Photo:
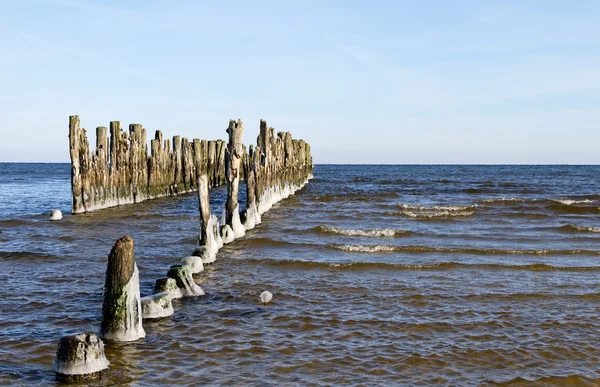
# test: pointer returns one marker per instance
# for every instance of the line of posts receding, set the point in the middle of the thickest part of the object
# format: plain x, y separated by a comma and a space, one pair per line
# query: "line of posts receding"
120, 171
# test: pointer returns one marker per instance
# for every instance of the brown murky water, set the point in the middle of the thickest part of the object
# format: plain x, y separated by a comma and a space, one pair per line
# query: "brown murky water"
396, 275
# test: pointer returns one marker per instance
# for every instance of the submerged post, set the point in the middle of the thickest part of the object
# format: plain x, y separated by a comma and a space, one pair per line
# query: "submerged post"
121, 310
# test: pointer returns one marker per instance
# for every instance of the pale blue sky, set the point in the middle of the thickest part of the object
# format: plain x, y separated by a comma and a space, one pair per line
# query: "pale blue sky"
362, 81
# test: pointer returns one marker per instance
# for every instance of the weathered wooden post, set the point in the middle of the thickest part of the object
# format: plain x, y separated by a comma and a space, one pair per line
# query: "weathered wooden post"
206, 240
76, 148
233, 158
121, 310
251, 216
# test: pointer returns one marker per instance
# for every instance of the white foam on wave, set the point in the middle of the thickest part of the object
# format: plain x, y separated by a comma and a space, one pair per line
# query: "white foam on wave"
438, 208
570, 202
506, 200
443, 214
387, 232
585, 228
364, 248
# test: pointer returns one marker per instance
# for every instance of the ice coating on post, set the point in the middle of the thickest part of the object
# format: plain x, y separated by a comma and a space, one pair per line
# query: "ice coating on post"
121, 309
182, 274
157, 306
250, 216
79, 358
233, 161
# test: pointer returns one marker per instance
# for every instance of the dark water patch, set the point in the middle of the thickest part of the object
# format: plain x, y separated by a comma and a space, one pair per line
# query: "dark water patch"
563, 207
558, 380
20, 255
454, 250
357, 197
267, 242
7, 223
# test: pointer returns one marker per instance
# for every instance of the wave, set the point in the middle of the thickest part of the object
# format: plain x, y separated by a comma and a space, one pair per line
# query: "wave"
449, 265
437, 215
358, 197
506, 201
17, 255
570, 202
438, 208
375, 233
573, 228
267, 242
572, 206
453, 250
13, 222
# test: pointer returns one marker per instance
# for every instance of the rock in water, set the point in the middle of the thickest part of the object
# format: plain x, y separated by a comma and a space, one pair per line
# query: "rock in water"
80, 358
55, 215
266, 296
157, 306
121, 309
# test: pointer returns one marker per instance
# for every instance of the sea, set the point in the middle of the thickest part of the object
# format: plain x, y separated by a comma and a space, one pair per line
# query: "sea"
382, 275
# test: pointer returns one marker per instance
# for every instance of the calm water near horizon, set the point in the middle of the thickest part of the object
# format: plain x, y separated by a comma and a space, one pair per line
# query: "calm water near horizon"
381, 274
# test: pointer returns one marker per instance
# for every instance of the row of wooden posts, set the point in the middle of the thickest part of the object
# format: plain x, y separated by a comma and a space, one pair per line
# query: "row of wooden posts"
123, 173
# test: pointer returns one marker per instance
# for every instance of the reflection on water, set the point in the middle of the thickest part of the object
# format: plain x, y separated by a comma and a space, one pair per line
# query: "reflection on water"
364, 294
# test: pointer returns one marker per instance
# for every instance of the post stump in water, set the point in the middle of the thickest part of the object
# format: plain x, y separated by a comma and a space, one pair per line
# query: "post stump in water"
182, 274
121, 310
79, 358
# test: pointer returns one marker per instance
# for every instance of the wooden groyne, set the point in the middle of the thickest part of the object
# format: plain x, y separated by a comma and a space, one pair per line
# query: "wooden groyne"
120, 171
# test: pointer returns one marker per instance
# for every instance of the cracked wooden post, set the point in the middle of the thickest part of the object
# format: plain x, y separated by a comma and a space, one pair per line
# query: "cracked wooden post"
251, 217
201, 155
121, 309
76, 150
233, 158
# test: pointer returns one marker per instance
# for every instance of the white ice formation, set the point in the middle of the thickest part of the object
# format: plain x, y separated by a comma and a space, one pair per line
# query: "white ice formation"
157, 306
55, 215
266, 296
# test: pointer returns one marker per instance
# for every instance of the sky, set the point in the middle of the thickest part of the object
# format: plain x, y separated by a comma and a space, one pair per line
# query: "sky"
361, 81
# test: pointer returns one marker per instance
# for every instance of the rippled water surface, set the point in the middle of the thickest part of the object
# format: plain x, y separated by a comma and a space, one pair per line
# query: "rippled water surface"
381, 275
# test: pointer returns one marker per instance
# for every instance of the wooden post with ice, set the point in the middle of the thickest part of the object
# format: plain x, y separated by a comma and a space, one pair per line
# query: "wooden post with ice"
204, 160
233, 161
79, 358
121, 309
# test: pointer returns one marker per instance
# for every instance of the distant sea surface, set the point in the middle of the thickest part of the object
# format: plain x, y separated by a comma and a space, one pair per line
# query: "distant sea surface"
382, 275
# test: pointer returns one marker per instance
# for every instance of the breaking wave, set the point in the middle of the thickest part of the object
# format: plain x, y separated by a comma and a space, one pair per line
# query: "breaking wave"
437, 215
571, 228
453, 250
375, 233
438, 208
